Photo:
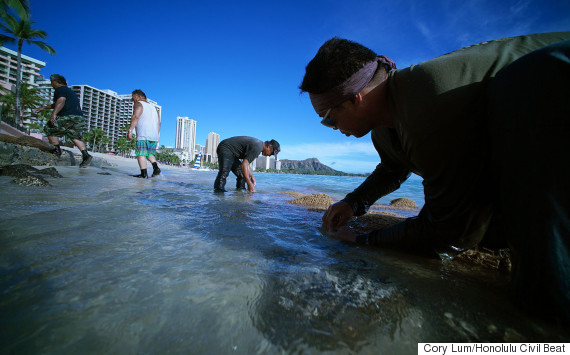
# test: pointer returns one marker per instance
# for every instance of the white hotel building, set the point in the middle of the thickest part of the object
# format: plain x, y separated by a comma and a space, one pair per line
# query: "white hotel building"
186, 135
8, 67
211, 156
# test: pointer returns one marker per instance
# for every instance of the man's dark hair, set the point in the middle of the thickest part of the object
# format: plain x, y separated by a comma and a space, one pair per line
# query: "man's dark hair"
139, 92
58, 79
336, 61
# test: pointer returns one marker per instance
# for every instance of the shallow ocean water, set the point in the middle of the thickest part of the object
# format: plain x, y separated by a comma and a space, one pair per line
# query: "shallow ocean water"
112, 264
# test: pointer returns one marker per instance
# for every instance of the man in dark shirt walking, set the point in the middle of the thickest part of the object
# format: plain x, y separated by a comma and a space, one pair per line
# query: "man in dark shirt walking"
66, 119
235, 154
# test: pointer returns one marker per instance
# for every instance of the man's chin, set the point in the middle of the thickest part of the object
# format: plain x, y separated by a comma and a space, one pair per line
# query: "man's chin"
358, 135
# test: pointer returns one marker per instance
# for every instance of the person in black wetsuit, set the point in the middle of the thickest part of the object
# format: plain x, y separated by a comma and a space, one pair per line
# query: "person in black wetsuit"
235, 154
487, 129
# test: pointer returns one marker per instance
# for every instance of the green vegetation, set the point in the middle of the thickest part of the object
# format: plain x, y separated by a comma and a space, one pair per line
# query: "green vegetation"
29, 99
167, 155
205, 164
18, 29
95, 138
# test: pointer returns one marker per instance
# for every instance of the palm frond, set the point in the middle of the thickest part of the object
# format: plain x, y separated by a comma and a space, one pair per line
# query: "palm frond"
10, 20
22, 7
6, 39
44, 46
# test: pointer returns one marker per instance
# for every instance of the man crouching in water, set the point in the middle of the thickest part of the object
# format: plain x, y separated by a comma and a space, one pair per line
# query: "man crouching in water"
235, 154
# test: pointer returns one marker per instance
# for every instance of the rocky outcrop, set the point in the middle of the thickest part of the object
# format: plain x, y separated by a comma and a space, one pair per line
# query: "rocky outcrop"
315, 201
27, 141
403, 203
307, 165
17, 153
28, 175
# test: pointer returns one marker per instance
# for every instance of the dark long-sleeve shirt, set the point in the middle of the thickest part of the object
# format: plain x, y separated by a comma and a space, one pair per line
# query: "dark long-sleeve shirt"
441, 134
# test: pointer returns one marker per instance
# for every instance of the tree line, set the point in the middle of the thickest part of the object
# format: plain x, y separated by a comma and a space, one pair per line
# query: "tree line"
17, 28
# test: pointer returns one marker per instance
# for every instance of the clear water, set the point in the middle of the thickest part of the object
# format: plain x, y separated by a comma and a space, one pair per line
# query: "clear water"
113, 264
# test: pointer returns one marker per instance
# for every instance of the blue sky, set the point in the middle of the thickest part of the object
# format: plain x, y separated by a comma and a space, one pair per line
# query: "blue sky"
235, 66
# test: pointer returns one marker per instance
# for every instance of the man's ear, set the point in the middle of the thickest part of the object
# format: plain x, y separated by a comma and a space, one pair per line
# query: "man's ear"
356, 100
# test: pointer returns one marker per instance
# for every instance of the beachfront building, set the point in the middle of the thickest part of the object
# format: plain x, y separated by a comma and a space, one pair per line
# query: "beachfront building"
183, 154
8, 67
185, 134
263, 162
198, 148
46, 90
211, 146
29, 74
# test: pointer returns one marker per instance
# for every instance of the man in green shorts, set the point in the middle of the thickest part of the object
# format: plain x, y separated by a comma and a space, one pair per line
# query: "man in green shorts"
66, 119
146, 120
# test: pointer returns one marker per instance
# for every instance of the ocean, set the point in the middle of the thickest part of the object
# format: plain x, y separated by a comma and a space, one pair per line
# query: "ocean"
101, 262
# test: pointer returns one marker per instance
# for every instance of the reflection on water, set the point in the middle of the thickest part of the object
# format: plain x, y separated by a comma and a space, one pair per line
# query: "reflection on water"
101, 263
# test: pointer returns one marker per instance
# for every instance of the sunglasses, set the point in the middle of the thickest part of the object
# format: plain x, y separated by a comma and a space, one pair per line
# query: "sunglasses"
327, 121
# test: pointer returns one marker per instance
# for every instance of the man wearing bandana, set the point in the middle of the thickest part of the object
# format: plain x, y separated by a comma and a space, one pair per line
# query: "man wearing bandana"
487, 128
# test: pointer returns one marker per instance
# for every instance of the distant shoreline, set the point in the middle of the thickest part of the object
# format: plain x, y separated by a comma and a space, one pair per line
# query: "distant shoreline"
302, 172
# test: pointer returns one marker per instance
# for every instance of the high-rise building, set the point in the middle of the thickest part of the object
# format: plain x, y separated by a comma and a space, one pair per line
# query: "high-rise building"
46, 90
211, 145
185, 134
263, 162
8, 67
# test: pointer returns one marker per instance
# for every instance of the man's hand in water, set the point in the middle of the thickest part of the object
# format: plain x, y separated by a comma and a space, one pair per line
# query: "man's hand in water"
343, 234
337, 215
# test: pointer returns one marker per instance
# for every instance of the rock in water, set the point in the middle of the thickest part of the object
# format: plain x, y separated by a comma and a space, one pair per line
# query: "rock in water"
31, 180
51, 172
28, 175
314, 201
17, 170
403, 203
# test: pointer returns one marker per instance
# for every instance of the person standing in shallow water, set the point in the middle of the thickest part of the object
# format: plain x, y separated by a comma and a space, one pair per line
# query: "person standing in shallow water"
235, 154
146, 120
486, 127
66, 119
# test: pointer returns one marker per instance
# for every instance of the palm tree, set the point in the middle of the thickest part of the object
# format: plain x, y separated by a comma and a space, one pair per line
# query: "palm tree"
104, 142
22, 7
122, 145
29, 99
97, 135
20, 31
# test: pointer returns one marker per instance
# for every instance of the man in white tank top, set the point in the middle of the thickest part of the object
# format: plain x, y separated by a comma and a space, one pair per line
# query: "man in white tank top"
146, 121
